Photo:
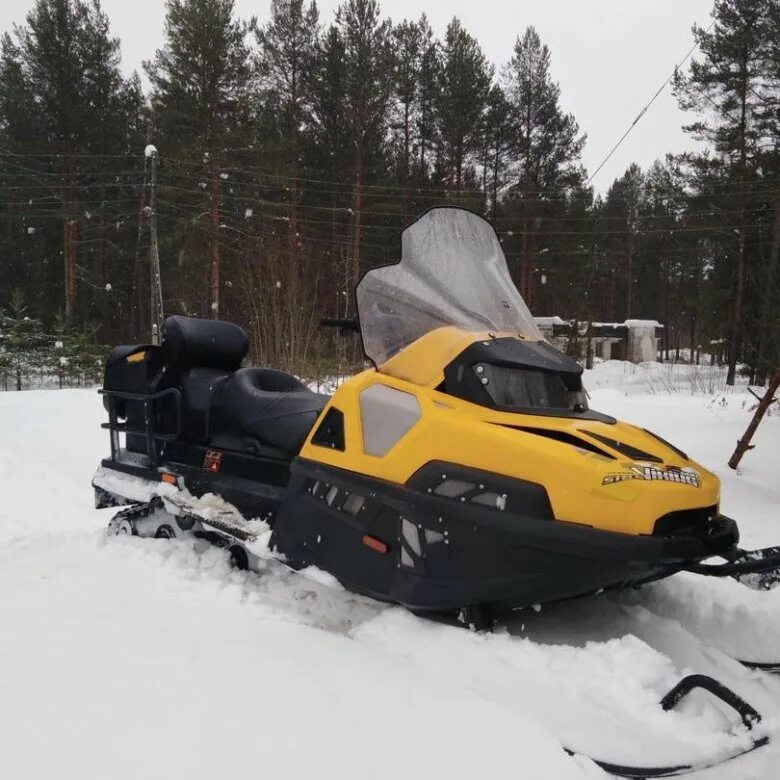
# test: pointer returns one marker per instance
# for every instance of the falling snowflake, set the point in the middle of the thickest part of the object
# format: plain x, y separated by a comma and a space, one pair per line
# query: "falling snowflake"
30, 231
248, 213
109, 288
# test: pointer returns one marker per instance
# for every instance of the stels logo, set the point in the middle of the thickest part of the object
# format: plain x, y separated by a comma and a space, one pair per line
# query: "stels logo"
653, 474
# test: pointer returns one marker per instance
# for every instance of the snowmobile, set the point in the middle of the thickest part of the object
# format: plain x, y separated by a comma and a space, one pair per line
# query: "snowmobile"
462, 474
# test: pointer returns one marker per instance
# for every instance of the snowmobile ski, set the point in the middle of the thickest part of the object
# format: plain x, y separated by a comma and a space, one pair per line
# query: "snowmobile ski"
757, 569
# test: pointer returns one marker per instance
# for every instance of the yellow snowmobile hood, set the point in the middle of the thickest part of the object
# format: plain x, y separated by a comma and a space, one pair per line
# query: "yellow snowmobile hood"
597, 472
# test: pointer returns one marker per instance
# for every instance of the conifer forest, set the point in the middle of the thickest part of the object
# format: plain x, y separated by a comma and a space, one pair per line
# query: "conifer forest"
281, 159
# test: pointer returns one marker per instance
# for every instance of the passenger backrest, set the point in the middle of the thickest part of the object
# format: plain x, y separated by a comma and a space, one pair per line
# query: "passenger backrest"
190, 342
200, 354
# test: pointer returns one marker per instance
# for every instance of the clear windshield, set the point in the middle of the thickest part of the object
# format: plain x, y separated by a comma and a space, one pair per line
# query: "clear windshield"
452, 272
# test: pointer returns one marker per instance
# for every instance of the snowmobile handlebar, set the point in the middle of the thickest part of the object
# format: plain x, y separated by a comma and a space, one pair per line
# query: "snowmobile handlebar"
345, 325
749, 716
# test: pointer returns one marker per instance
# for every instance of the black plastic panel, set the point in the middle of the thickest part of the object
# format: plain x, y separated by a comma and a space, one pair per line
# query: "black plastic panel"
330, 432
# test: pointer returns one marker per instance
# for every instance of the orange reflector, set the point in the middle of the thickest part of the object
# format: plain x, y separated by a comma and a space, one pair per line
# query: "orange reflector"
136, 357
169, 478
375, 544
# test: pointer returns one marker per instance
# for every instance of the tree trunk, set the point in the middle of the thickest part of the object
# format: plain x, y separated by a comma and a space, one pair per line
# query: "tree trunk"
214, 218
69, 242
743, 445
524, 255
769, 348
357, 213
630, 275
736, 319
494, 193
666, 309
407, 166
612, 284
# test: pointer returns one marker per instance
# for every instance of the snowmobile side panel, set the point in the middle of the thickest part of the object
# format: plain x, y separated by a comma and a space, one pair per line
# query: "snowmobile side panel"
442, 554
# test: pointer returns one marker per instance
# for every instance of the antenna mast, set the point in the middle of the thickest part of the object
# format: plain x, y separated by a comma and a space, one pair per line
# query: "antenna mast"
155, 282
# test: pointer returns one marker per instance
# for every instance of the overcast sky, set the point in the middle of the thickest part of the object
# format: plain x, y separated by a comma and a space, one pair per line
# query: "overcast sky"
609, 56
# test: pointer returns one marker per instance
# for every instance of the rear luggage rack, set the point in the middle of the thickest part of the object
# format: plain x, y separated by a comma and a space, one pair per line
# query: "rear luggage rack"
149, 431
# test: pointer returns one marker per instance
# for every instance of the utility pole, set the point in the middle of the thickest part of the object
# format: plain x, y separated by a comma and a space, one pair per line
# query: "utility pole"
155, 282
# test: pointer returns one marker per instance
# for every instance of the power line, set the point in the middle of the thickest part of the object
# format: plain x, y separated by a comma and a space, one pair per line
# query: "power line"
416, 192
647, 107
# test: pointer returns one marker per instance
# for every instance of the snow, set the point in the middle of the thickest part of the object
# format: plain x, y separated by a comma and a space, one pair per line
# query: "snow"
643, 324
127, 658
150, 151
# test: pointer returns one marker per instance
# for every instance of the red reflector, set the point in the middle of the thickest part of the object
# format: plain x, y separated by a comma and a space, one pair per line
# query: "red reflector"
375, 544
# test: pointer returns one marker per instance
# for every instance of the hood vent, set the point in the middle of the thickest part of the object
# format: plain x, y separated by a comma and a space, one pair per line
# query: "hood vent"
674, 449
634, 453
564, 438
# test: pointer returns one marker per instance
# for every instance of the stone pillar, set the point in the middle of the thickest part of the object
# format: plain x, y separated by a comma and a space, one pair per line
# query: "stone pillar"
642, 346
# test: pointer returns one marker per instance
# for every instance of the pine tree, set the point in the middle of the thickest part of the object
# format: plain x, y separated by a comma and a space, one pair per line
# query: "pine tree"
285, 63
22, 342
408, 46
768, 92
368, 64
547, 143
723, 86
465, 77
621, 216
497, 144
428, 95
200, 81
60, 91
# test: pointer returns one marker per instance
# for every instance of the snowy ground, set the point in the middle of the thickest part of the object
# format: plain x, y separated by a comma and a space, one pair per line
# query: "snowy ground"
129, 658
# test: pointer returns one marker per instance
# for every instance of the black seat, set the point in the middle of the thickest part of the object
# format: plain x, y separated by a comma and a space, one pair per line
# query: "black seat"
257, 408
197, 388
200, 354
